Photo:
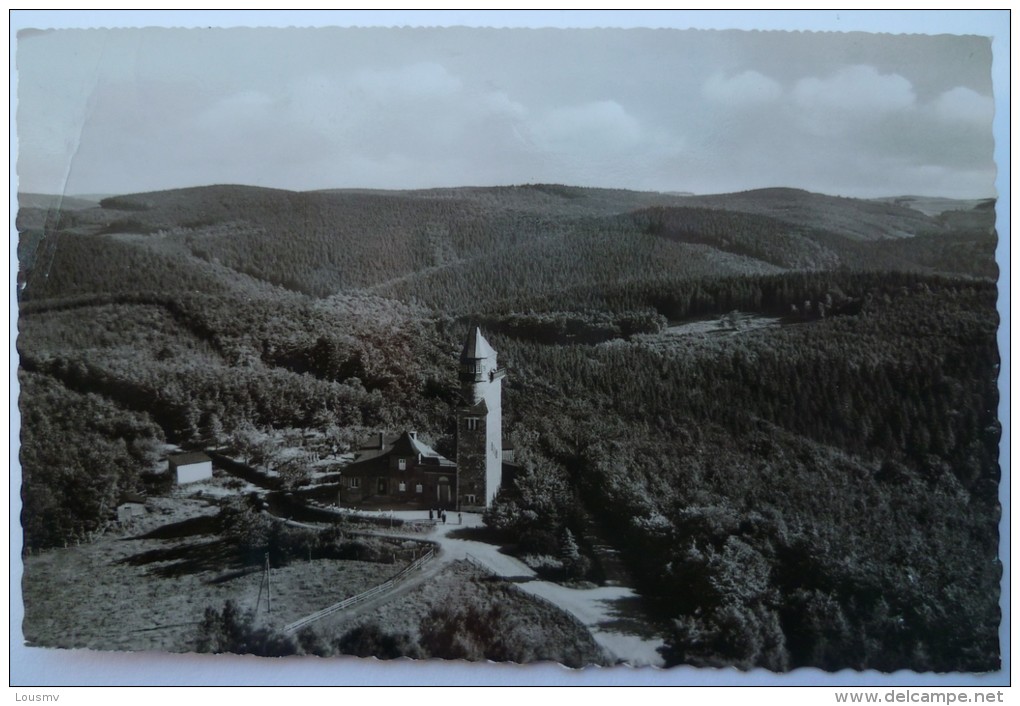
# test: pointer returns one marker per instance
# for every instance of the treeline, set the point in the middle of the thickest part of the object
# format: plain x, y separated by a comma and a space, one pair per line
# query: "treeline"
572, 327
781, 294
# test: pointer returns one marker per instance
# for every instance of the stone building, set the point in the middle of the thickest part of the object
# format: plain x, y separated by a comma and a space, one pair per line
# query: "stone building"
402, 470
399, 470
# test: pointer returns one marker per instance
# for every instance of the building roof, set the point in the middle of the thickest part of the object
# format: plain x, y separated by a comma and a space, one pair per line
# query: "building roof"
476, 347
186, 459
405, 445
479, 408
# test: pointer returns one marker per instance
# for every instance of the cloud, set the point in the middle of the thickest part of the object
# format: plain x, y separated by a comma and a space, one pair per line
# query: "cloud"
599, 126
413, 81
119, 111
857, 89
243, 106
743, 89
963, 105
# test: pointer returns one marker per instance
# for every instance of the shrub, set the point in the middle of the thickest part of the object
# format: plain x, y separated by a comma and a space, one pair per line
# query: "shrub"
232, 630
371, 641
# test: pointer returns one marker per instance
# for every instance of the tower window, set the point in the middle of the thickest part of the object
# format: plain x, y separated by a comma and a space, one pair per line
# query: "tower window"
472, 423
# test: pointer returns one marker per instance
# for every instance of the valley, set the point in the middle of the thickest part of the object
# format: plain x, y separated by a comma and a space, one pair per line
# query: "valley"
780, 407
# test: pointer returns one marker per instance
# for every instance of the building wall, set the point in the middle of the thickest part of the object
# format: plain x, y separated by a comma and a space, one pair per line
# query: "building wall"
480, 450
494, 440
194, 472
471, 459
434, 493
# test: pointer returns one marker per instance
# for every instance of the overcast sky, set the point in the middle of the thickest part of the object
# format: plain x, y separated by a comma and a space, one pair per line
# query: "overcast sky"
118, 111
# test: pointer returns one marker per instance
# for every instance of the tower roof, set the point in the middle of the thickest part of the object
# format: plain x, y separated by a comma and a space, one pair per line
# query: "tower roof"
476, 347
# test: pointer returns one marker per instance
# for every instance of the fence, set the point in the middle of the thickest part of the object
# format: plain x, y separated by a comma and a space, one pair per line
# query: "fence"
365, 595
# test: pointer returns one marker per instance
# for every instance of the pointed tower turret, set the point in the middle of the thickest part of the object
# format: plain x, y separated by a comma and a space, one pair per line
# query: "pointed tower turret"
479, 424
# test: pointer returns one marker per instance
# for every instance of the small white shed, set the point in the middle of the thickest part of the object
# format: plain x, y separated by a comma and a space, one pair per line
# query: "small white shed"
191, 467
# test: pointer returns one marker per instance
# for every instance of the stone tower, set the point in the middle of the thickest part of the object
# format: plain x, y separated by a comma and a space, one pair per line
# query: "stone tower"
479, 424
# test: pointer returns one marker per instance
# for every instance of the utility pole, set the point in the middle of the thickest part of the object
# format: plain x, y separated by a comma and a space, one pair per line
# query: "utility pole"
265, 582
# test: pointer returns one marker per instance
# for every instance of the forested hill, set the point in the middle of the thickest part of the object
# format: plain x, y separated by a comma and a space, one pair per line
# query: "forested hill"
854, 218
442, 246
55, 202
780, 405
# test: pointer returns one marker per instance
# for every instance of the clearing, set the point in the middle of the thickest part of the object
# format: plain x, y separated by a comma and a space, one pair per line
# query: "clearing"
138, 592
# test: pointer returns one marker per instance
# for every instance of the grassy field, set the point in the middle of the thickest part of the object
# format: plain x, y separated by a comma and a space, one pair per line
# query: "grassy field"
148, 589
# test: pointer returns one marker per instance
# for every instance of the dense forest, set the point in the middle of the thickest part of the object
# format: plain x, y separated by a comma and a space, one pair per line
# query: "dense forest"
782, 405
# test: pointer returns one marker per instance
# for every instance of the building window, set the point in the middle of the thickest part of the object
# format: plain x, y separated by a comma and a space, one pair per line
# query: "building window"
402, 464
469, 499
472, 423
382, 487
402, 486
418, 488
354, 483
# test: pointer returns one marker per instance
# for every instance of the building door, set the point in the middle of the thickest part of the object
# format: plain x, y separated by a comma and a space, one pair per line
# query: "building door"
444, 494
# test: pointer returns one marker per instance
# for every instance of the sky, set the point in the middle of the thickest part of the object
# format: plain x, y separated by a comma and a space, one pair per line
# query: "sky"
110, 111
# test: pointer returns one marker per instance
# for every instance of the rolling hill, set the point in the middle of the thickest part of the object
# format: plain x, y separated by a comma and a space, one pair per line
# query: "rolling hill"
443, 247
851, 218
